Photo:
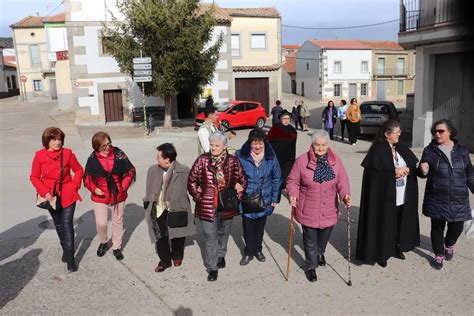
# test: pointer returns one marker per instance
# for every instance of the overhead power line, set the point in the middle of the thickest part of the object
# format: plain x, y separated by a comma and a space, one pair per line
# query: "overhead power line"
337, 28
51, 11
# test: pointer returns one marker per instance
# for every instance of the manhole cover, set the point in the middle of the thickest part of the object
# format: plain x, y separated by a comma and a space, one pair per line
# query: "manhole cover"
49, 224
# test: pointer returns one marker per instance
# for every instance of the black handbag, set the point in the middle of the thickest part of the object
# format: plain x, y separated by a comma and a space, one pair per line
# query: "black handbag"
253, 203
42, 203
227, 200
177, 219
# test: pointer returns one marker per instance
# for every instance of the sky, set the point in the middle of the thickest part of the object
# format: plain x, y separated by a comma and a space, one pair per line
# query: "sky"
307, 13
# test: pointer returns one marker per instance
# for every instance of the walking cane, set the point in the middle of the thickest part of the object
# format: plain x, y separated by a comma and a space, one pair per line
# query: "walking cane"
290, 242
349, 282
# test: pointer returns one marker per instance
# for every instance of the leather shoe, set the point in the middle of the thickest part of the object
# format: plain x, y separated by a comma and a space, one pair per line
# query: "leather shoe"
400, 255
383, 264
260, 257
177, 262
212, 276
102, 249
245, 260
221, 263
162, 267
321, 260
311, 275
118, 254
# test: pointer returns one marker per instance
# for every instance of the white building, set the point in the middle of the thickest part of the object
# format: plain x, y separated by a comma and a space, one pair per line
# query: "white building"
333, 69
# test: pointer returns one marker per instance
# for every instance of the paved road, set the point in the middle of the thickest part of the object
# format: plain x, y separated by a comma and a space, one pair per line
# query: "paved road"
34, 281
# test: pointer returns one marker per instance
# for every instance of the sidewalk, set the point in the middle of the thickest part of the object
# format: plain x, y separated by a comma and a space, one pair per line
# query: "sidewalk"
35, 281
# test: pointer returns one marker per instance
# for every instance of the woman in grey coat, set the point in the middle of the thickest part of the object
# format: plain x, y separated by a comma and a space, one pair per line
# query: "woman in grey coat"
166, 192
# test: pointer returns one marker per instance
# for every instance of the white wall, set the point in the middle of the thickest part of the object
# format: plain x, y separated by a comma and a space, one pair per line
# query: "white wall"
57, 39
96, 10
307, 70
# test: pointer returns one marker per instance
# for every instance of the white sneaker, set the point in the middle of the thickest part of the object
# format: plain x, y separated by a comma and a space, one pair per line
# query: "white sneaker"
353, 144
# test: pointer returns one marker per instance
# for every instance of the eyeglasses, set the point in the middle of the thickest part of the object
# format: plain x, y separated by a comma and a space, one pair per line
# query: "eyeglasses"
397, 132
439, 131
104, 146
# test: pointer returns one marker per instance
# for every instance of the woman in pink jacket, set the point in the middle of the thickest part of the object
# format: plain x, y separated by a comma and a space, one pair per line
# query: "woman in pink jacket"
316, 182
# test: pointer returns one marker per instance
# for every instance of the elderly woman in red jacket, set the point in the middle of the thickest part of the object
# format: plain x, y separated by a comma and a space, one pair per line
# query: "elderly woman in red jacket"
108, 175
52, 179
212, 173
315, 184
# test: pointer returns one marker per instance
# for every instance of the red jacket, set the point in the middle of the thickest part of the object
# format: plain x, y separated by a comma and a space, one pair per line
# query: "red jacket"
45, 172
122, 182
202, 186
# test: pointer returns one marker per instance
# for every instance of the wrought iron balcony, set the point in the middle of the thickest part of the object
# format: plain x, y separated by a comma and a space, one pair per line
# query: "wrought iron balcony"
422, 14
390, 72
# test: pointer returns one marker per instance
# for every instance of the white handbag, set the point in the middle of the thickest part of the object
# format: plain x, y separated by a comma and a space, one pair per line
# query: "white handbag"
469, 227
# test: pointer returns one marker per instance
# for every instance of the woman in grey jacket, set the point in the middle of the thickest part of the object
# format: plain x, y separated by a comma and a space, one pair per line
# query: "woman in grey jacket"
166, 193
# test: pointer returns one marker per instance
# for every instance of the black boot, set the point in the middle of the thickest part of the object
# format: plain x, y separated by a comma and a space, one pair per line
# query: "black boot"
69, 257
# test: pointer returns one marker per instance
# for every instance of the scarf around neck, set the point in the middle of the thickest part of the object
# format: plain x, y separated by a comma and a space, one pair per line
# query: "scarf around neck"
323, 171
257, 159
217, 163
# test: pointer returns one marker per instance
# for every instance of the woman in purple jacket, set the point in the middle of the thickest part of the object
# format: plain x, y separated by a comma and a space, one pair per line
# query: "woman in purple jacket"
316, 182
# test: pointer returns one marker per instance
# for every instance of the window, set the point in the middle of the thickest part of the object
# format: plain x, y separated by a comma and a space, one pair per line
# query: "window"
105, 49
239, 107
363, 89
400, 66
337, 67
38, 85
251, 106
364, 66
258, 41
307, 66
381, 66
35, 55
337, 90
235, 45
9, 83
399, 87
14, 82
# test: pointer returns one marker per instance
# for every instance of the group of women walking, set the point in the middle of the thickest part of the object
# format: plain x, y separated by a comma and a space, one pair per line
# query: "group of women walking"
250, 184
349, 116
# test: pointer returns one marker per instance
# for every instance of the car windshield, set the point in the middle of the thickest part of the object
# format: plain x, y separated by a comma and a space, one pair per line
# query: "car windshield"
223, 107
375, 109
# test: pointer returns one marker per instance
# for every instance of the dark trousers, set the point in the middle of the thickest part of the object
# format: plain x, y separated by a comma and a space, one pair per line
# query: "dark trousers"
331, 132
354, 131
315, 241
438, 240
344, 126
63, 221
165, 250
253, 234
298, 122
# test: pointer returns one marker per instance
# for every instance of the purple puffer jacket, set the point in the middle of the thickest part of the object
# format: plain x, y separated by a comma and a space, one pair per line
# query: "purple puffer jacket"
317, 202
202, 185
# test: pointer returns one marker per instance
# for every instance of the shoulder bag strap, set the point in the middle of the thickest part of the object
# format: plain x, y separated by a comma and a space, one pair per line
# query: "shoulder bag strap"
61, 171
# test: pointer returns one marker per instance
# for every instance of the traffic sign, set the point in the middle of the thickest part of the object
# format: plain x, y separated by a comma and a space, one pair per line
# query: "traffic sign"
142, 79
142, 60
138, 73
23, 78
141, 66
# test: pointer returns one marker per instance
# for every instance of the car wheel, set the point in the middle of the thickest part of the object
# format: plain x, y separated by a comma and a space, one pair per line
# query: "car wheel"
260, 123
224, 126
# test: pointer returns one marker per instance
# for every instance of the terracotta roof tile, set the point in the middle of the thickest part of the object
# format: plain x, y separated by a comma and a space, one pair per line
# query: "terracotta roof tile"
290, 46
269, 12
256, 68
356, 44
220, 14
37, 21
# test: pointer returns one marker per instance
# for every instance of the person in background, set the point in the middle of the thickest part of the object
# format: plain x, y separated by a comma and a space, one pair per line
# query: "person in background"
282, 136
316, 182
447, 166
166, 192
341, 112
329, 116
305, 115
353, 119
388, 216
276, 110
295, 115
213, 172
108, 176
206, 129
209, 102
51, 180
263, 173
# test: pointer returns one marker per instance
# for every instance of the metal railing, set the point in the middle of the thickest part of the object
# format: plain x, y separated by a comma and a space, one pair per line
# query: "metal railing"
418, 14
390, 72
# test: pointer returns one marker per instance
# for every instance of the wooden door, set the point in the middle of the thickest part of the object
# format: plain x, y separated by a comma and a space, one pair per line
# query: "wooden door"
113, 105
253, 89
52, 89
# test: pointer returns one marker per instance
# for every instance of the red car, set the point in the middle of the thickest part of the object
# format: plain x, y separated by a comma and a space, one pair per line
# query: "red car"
237, 114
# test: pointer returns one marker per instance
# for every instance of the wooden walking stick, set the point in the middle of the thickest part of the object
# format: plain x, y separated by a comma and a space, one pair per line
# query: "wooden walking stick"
349, 282
290, 242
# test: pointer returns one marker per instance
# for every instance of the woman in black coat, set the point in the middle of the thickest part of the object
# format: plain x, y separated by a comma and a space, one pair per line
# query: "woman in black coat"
446, 164
388, 217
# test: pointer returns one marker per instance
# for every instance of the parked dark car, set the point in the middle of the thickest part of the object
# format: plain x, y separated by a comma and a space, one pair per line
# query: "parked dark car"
374, 113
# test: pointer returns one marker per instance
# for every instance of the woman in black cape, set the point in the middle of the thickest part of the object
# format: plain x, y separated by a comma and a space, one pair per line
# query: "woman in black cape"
388, 217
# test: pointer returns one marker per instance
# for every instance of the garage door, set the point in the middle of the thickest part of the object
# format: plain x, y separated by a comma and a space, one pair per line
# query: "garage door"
253, 89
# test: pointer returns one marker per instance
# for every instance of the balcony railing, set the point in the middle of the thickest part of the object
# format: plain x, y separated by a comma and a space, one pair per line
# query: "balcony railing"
419, 14
390, 72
